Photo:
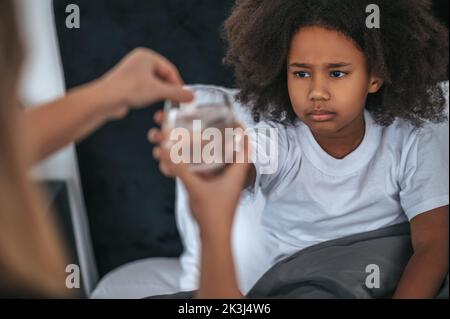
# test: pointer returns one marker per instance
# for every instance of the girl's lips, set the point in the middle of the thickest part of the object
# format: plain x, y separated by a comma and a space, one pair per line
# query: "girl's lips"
322, 116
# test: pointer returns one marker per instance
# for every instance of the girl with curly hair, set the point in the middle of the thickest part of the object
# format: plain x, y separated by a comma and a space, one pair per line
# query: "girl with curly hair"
352, 107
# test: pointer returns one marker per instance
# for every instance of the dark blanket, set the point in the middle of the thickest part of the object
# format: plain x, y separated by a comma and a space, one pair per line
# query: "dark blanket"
339, 268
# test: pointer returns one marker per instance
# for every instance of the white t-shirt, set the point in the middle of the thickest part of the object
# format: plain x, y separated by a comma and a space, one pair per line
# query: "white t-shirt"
396, 173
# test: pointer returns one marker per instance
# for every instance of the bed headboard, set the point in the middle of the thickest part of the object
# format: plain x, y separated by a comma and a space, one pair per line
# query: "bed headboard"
130, 204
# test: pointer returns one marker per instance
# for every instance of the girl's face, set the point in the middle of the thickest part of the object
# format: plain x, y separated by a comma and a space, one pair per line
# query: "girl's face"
328, 80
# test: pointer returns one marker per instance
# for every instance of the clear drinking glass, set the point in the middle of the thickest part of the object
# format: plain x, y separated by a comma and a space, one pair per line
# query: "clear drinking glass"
211, 108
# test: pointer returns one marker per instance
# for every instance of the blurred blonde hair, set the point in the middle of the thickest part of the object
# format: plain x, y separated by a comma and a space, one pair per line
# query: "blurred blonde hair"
32, 259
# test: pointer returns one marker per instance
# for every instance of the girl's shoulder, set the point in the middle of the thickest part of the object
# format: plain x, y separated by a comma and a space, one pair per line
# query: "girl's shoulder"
404, 135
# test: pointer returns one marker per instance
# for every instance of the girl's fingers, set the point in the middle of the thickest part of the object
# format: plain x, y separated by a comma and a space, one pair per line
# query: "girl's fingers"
158, 117
193, 183
164, 169
156, 153
238, 170
154, 136
190, 179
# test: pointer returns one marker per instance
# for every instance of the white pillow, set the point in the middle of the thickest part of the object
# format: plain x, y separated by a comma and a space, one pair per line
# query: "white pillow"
251, 260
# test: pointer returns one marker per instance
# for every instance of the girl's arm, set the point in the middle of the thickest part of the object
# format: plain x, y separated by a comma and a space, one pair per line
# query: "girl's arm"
213, 201
427, 268
141, 78
218, 275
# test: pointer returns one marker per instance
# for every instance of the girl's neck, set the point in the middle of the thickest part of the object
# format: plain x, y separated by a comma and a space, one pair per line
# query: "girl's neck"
346, 141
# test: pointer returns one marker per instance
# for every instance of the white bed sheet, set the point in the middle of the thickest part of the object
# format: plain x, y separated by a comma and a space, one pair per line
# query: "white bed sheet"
139, 279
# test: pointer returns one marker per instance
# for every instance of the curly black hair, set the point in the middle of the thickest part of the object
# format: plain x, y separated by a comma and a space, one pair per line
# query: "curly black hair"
409, 52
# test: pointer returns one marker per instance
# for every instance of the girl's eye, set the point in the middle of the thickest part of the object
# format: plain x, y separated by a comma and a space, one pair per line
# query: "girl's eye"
337, 74
302, 74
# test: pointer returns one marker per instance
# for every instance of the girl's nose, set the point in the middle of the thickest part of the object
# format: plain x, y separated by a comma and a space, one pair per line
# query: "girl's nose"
318, 90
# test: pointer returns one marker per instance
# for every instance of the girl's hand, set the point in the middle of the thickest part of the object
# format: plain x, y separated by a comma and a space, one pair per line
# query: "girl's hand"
213, 198
141, 78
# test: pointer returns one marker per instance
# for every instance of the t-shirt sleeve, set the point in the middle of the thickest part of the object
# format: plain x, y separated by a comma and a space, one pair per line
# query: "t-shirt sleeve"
423, 174
274, 156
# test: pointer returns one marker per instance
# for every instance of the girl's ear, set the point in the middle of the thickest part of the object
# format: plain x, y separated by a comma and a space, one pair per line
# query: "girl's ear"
375, 84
